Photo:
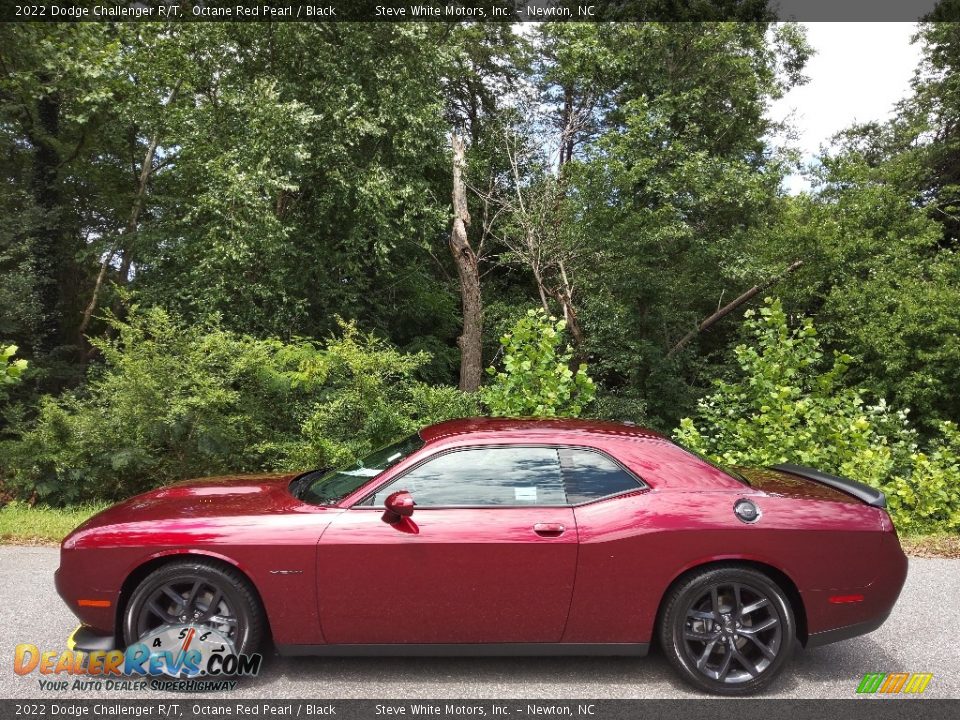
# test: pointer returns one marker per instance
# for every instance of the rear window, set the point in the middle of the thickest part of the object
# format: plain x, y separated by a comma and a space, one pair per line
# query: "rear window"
589, 475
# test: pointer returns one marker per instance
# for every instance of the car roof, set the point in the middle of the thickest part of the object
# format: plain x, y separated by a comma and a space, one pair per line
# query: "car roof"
659, 461
534, 427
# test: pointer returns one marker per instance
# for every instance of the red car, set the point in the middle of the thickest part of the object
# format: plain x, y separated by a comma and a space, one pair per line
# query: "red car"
496, 536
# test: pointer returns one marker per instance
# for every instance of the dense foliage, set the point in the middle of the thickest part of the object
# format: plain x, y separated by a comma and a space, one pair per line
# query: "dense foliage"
187, 211
173, 401
788, 405
537, 379
11, 369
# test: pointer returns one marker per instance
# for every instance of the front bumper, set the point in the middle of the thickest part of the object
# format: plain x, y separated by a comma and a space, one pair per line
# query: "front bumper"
86, 639
72, 582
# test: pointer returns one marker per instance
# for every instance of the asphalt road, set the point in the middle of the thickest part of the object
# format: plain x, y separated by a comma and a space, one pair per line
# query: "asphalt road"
920, 636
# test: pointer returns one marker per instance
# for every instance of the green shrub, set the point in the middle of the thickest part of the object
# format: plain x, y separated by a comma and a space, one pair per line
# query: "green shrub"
536, 379
366, 396
10, 369
174, 401
790, 405
928, 497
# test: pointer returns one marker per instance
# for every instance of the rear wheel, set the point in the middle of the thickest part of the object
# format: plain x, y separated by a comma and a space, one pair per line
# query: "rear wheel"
197, 593
728, 630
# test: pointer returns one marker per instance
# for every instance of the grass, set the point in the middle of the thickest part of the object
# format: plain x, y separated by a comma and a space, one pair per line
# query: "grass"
22, 524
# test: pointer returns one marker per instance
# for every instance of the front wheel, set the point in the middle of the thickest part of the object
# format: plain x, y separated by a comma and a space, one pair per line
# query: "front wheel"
197, 593
728, 630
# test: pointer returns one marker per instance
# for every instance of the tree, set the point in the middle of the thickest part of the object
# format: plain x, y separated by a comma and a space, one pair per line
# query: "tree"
175, 400
925, 132
287, 189
530, 221
877, 236
468, 270
59, 86
482, 63
877, 281
536, 379
670, 183
790, 404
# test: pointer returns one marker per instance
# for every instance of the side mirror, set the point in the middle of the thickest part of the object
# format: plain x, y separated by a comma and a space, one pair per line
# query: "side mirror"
397, 506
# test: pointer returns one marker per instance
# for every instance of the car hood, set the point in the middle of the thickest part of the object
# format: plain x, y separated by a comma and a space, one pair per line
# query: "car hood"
206, 498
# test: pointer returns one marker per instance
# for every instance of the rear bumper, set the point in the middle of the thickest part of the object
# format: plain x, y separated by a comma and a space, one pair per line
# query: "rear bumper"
845, 633
834, 622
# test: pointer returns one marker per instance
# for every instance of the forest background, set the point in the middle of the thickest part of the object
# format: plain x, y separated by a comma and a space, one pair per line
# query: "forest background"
255, 247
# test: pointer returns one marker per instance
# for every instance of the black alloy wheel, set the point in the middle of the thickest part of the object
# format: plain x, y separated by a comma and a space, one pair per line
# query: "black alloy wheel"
198, 593
728, 630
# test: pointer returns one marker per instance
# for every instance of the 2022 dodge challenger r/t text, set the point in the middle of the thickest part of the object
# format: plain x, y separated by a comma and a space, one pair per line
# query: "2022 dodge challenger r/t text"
496, 536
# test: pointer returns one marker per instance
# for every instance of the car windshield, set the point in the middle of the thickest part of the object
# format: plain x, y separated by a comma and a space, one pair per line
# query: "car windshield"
325, 487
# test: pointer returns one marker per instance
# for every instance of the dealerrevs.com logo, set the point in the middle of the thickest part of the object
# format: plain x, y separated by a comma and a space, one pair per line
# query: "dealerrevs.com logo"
172, 657
894, 683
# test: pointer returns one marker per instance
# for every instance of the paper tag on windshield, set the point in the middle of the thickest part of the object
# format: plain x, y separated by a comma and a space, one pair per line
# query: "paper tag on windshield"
525, 494
361, 472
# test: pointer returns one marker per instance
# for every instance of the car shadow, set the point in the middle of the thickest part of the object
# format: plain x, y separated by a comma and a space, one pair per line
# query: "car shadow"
843, 664
849, 660
420, 677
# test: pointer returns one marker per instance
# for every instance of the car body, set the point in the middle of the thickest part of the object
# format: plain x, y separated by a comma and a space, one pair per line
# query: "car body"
526, 536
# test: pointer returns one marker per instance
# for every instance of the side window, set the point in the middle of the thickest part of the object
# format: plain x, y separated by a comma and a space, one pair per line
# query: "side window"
590, 475
484, 476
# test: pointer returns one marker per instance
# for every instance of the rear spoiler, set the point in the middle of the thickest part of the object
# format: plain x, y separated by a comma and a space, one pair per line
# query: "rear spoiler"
862, 492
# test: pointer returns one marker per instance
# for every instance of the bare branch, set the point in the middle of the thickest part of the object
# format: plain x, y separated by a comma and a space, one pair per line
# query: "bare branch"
731, 306
146, 171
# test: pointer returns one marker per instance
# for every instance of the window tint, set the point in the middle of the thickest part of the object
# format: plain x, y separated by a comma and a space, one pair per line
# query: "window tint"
484, 476
590, 475
323, 487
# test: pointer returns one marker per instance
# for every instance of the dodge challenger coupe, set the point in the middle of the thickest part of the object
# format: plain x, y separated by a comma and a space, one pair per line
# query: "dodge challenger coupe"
501, 537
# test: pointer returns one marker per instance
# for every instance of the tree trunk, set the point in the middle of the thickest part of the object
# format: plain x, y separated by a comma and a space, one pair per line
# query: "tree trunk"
133, 220
145, 170
565, 291
52, 241
568, 132
470, 340
541, 287
731, 306
569, 311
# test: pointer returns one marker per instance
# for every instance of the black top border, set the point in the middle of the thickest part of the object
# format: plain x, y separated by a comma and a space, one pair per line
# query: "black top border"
503, 11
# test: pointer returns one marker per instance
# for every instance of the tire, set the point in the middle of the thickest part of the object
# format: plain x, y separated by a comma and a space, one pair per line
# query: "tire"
237, 607
702, 640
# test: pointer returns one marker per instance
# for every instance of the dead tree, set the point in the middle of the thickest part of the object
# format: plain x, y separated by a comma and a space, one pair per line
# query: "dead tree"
468, 271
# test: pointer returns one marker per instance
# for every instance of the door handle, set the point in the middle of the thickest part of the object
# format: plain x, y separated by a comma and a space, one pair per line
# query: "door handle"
549, 529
